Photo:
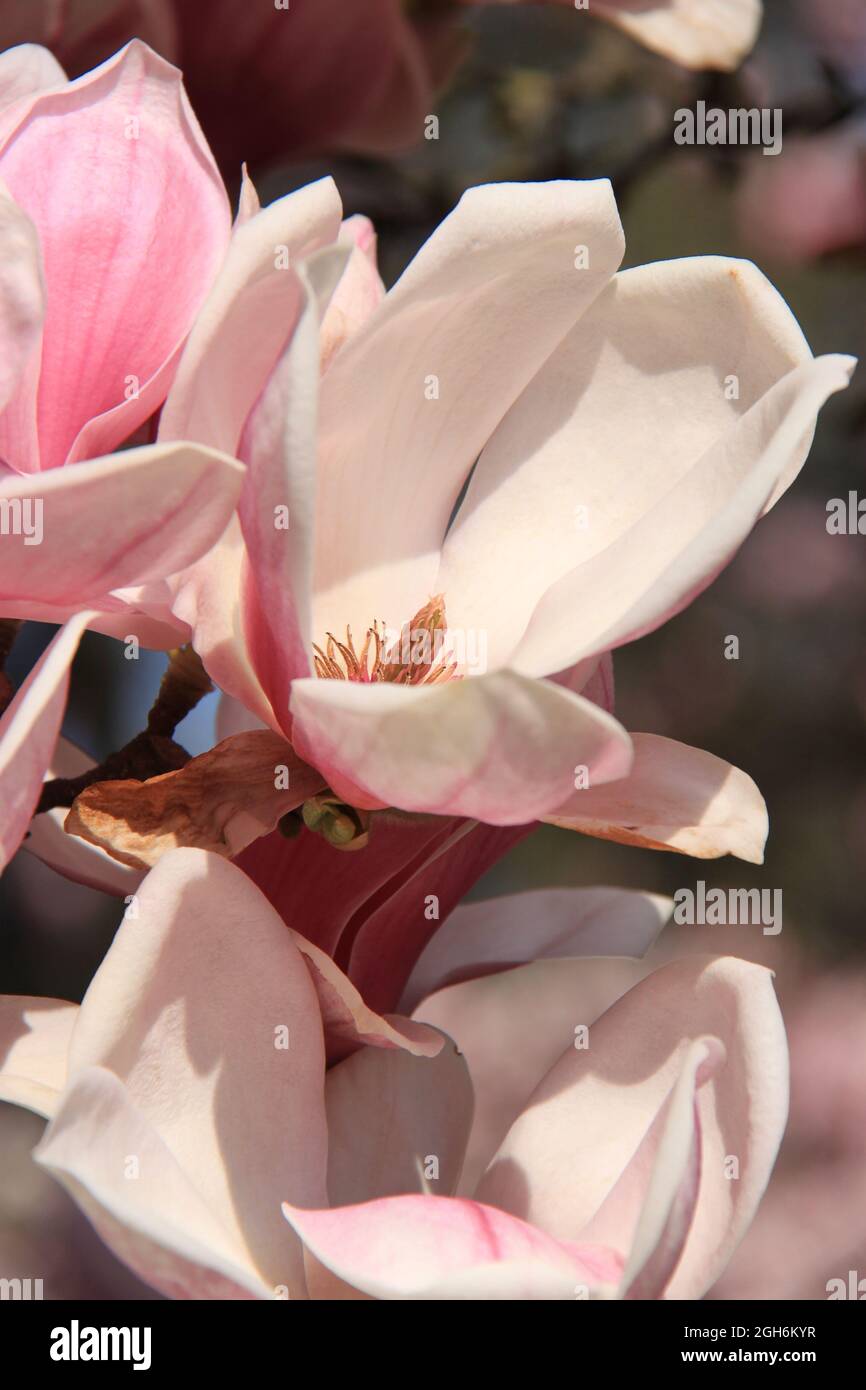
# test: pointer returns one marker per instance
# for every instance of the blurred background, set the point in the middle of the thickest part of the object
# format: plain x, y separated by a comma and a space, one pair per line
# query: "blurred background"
537, 92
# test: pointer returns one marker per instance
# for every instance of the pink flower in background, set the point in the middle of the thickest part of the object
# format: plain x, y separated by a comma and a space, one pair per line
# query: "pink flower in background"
201, 1046
810, 202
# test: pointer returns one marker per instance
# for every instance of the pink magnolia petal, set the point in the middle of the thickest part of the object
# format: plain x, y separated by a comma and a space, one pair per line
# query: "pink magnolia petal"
34, 1044
591, 1115
549, 923
116, 521
444, 1247
528, 1015
157, 1222
68, 855
671, 1199
28, 733
593, 679
497, 748
26, 69
249, 202
278, 503
417, 1115
117, 615
479, 309
359, 292
144, 190
234, 718
207, 599
205, 1010
671, 552
348, 1022
556, 487
22, 295
675, 798
258, 299
255, 300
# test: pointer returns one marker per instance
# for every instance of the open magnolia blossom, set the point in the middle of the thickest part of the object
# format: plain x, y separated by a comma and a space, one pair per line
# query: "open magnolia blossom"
195, 1119
460, 497
610, 439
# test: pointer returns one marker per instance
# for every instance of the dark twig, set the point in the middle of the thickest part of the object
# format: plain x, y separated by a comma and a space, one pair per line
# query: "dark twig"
151, 752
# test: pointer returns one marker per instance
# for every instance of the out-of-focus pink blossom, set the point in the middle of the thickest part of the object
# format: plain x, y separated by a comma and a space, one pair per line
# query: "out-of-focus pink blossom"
809, 201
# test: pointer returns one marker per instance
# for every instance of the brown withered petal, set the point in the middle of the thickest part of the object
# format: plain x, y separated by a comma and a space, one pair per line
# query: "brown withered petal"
221, 801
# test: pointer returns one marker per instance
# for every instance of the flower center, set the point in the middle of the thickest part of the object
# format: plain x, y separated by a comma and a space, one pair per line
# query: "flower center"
417, 656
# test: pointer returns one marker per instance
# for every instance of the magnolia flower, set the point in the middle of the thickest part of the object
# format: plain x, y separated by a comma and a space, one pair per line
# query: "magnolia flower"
272, 82
107, 183
113, 222
189, 1102
520, 459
